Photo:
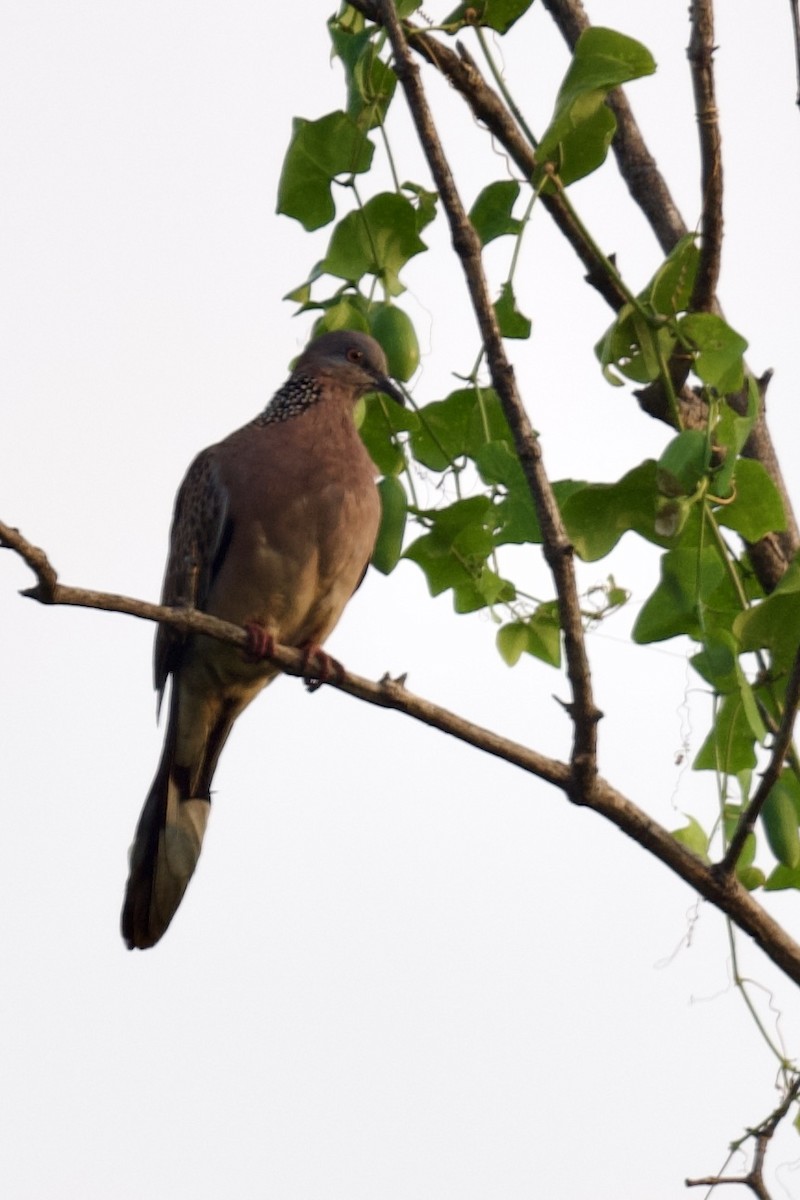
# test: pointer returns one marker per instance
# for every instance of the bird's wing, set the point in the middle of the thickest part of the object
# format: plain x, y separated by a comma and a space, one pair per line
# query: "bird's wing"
198, 539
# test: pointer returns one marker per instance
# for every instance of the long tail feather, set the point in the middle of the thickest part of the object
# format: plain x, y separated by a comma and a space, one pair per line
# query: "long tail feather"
164, 853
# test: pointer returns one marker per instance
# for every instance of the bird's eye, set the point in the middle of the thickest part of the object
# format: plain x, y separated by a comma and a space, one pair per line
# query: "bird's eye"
354, 355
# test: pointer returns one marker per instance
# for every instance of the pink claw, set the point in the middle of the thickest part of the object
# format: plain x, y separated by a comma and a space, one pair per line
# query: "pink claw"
260, 643
319, 667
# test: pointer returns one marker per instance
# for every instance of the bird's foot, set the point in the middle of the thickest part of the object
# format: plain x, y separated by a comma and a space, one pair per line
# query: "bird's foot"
319, 667
260, 642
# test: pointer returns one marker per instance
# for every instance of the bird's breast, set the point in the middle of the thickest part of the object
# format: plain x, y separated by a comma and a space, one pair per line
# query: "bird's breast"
297, 552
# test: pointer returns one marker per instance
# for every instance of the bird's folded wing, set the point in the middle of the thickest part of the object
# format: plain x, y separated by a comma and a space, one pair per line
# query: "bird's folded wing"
198, 539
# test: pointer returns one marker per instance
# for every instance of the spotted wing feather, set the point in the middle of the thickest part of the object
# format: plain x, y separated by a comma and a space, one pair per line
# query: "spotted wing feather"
197, 543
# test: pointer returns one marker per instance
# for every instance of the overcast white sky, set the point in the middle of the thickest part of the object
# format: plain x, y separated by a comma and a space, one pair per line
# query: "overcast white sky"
403, 970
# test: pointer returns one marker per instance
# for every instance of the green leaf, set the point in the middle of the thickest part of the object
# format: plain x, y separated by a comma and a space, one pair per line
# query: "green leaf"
539, 635
371, 90
688, 575
729, 747
491, 212
380, 424
597, 514
450, 523
425, 204
515, 512
487, 423
389, 545
453, 554
458, 426
512, 642
370, 82
750, 877
729, 436
718, 663
442, 434
302, 293
719, 351
393, 328
512, 323
694, 838
634, 347
347, 312
499, 15
684, 463
318, 152
581, 128
779, 817
544, 634
757, 508
774, 624
377, 239
782, 878
483, 590
670, 290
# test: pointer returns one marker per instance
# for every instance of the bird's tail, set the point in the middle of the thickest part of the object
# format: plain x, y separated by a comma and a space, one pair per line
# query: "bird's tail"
164, 853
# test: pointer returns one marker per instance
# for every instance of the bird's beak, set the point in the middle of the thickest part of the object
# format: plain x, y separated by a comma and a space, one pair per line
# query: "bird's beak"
384, 384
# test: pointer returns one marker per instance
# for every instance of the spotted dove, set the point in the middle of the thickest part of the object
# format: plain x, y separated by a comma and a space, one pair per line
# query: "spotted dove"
273, 530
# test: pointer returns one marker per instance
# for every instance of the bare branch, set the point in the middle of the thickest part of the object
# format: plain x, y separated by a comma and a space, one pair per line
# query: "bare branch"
387, 693
754, 1179
780, 748
724, 892
557, 548
701, 58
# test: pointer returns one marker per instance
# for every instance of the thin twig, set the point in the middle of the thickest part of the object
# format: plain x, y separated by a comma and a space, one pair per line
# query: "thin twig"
557, 548
763, 1134
701, 59
754, 1180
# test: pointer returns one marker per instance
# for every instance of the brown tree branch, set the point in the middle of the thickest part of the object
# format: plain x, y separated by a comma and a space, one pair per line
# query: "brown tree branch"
725, 893
387, 693
557, 548
701, 59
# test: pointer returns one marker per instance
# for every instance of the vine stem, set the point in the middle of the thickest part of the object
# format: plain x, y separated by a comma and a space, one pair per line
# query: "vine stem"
502, 88
740, 984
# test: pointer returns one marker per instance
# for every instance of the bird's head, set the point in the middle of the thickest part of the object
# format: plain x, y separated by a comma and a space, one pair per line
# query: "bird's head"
352, 359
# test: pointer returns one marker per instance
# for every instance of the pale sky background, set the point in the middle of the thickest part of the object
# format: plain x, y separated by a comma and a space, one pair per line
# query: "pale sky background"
404, 970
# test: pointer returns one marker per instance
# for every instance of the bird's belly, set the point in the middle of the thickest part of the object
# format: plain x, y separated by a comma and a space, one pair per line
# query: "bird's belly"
302, 569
